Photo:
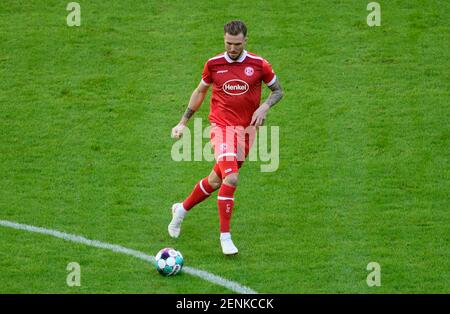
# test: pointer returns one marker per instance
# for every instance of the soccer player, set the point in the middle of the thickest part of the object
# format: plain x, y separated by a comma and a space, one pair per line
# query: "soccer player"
236, 76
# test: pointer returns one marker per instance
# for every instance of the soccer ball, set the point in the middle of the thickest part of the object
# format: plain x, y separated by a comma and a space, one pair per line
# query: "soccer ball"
169, 261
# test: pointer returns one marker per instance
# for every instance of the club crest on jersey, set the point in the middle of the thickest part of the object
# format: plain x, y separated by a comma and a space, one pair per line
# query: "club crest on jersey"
235, 87
249, 71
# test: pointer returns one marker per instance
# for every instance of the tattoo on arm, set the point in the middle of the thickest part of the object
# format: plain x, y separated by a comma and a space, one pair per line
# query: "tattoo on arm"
275, 95
188, 113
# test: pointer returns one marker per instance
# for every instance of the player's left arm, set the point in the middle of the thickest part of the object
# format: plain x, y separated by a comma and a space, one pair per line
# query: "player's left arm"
259, 116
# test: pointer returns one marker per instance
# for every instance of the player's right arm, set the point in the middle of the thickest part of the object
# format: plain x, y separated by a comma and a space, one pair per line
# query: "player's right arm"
196, 100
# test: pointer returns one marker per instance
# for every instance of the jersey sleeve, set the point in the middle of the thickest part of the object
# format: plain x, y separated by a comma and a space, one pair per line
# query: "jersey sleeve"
206, 75
268, 75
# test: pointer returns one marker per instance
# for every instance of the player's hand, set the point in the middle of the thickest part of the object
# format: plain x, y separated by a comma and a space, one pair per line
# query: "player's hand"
177, 131
259, 116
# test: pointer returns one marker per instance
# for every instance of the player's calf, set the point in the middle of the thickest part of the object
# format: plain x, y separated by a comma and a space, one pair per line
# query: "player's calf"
201, 191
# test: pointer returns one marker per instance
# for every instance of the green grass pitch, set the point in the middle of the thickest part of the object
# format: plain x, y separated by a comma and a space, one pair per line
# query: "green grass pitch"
364, 174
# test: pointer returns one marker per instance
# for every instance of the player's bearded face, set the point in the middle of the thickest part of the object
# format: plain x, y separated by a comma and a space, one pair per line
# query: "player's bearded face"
234, 45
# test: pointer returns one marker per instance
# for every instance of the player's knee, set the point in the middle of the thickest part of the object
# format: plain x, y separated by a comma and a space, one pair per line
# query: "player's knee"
231, 179
215, 184
214, 181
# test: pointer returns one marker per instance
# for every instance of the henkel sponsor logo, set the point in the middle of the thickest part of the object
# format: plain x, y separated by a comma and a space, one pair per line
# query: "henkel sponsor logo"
235, 87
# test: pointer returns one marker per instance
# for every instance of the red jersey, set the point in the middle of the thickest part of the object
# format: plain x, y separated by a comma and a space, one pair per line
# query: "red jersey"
236, 91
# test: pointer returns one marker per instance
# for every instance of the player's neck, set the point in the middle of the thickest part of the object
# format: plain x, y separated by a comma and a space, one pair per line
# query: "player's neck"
238, 57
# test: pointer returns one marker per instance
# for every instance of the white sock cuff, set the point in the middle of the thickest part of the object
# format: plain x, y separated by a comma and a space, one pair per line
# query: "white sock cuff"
225, 235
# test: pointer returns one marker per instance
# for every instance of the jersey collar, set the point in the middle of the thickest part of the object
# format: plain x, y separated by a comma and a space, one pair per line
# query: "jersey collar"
241, 58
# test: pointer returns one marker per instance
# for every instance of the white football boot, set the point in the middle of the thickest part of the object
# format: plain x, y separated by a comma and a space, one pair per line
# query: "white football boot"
228, 247
178, 213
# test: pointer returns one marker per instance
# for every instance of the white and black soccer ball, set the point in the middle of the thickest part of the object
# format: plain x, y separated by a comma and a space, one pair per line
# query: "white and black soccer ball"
169, 261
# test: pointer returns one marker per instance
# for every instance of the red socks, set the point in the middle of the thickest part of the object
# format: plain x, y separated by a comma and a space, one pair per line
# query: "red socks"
225, 202
200, 192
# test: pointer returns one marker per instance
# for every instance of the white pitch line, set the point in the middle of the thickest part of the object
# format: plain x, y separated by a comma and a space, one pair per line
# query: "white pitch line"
234, 286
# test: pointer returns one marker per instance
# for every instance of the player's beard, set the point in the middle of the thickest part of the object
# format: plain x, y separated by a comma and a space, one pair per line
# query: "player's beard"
237, 57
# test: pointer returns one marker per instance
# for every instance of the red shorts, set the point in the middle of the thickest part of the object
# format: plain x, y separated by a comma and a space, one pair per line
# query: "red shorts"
232, 144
